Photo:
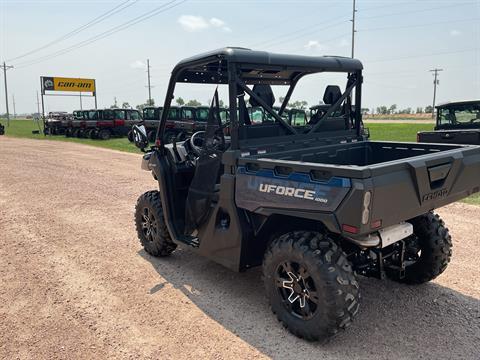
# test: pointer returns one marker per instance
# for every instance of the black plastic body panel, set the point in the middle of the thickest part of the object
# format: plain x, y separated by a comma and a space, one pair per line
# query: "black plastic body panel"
467, 136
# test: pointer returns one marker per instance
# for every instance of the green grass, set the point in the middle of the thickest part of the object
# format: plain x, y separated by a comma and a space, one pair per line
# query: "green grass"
23, 129
396, 132
378, 131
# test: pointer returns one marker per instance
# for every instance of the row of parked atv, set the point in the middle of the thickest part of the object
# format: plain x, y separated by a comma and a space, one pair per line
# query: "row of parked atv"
182, 121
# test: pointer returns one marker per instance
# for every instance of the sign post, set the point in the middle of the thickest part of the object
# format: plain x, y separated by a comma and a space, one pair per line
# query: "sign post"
52, 84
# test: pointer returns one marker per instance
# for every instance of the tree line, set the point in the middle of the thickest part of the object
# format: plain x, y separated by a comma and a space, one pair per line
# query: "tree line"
298, 104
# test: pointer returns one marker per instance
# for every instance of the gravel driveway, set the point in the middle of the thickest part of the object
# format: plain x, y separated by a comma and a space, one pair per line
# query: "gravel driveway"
75, 282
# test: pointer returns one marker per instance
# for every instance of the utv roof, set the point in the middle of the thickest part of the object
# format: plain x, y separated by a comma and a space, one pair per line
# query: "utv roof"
455, 103
258, 66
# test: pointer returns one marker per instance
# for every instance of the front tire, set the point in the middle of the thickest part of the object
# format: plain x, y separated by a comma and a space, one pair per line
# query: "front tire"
310, 285
151, 228
428, 251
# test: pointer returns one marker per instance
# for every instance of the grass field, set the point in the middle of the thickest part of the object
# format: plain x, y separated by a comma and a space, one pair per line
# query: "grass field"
23, 129
387, 132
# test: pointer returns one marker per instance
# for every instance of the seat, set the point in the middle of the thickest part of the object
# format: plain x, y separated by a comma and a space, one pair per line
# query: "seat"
334, 122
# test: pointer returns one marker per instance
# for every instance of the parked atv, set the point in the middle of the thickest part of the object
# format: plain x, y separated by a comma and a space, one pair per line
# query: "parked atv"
315, 205
457, 123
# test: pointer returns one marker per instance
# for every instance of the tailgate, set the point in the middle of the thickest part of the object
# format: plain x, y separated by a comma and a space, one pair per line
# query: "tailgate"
403, 191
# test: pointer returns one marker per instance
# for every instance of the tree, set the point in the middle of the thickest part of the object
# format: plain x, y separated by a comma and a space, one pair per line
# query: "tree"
126, 105
392, 108
419, 110
180, 101
140, 107
382, 110
405, 111
365, 111
428, 109
298, 104
193, 103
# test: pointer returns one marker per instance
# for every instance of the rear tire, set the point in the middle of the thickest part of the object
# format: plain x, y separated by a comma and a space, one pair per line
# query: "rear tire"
151, 228
130, 135
104, 134
310, 284
429, 249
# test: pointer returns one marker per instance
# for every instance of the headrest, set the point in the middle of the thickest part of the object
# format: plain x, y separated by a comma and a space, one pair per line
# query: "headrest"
264, 91
332, 94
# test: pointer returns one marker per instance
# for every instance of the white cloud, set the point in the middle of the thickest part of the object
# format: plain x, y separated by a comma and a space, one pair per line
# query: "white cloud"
138, 65
217, 22
314, 45
194, 23
455, 32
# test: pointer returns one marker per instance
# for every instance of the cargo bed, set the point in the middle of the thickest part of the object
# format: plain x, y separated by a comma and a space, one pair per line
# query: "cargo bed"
405, 180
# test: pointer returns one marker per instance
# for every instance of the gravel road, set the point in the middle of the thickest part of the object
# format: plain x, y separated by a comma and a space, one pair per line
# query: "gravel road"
75, 283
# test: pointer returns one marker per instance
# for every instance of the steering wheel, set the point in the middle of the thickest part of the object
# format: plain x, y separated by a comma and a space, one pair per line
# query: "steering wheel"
197, 139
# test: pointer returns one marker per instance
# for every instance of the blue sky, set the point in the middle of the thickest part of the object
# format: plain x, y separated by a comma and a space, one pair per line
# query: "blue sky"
397, 41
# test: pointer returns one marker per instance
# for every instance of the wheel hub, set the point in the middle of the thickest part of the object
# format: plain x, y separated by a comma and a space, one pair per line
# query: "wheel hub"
148, 224
298, 289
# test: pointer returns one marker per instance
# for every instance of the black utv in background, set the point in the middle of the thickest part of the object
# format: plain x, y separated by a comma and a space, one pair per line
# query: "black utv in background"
457, 123
315, 205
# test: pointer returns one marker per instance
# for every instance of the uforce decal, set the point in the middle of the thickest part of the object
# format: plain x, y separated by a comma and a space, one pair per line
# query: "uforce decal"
290, 191
435, 195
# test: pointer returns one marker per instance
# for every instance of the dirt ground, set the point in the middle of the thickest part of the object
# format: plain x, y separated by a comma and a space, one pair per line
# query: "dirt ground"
75, 283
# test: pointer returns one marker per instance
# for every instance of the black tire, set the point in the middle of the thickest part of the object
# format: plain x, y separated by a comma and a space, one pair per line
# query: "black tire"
130, 135
150, 225
92, 134
169, 136
330, 288
429, 250
104, 134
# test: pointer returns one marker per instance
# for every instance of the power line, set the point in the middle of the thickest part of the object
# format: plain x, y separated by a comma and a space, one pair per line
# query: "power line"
163, 8
415, 11
5, 68
124, 5
424, 55
435, 83
276, 40
419, 25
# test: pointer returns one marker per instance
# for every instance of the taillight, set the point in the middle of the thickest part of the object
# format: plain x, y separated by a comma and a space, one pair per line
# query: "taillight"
350, 229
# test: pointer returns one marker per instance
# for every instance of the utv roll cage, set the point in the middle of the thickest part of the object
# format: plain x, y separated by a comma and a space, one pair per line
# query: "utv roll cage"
240, 67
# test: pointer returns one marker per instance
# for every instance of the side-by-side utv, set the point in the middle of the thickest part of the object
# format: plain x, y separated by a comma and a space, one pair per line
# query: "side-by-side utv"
457, 123
315, 205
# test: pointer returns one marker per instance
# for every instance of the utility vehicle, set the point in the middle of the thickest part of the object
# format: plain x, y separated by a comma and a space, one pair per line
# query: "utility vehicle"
54, 122
315, 206
103, 123
457, 123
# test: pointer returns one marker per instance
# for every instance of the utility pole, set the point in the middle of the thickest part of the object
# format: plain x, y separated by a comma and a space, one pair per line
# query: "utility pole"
149, 87
115, 101
38, 105
435, 83
80, 100
353, 29
14, 110
36, 118
5, 68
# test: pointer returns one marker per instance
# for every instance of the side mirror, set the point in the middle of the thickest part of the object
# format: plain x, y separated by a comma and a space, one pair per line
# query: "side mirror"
140, 136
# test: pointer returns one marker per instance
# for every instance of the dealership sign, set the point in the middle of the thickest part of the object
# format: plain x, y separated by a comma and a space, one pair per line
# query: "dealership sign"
67, 84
